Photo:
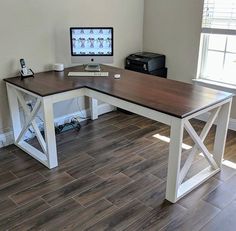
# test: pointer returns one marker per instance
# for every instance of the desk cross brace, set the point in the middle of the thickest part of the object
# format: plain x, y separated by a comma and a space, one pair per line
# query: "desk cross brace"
47, 152
195, 148
17, 101
176, 188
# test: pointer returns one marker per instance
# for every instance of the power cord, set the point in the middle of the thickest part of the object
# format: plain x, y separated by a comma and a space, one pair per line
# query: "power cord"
73, 124
84, 117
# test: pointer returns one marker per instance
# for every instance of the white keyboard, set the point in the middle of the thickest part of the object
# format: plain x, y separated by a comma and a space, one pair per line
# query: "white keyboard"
87, 73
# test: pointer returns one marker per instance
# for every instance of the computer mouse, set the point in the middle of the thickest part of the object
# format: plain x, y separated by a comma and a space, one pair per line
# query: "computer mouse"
117, 76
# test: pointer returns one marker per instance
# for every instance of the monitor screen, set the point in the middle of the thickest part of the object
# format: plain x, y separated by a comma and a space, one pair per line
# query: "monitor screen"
91, 44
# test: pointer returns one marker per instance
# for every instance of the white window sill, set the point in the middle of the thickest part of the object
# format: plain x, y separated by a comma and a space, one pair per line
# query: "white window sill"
215, 85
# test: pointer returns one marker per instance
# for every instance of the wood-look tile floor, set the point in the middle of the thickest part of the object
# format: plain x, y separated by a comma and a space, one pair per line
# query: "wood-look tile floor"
112, 176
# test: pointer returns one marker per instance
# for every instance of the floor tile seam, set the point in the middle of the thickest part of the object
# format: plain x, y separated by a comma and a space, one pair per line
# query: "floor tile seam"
40, 213
109, 193
145, 190
117, 161
211, 219
205, 200
6, 183
45, 180
18, 179
148, 171
74, 195
39, 196
131, 132
8, 214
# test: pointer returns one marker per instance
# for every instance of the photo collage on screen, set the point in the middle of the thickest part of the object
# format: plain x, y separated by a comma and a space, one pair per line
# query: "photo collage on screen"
92, 41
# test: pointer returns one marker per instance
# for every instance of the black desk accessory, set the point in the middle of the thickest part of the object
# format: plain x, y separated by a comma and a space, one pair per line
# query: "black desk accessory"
25, 71
148, 63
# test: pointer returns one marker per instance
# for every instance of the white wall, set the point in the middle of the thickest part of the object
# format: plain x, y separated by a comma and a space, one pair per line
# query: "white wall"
39, 32
173, 28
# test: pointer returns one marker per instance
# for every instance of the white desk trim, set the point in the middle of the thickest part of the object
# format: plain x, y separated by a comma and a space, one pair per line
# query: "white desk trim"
175, 188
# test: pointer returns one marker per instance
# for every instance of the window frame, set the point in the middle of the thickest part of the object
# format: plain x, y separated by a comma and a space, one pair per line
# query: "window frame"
211, 13
203, 54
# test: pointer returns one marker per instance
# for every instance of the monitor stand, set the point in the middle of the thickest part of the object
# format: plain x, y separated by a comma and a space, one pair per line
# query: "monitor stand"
92, 67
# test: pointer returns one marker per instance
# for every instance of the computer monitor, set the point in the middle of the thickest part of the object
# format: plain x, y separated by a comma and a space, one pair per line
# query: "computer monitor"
91, 46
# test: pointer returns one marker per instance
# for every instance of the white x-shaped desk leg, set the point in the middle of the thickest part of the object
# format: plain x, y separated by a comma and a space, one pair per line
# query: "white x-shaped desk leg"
175, 188
202, 136
48, 155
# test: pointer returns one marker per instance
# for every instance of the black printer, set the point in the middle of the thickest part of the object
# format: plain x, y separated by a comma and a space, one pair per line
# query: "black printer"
147, 62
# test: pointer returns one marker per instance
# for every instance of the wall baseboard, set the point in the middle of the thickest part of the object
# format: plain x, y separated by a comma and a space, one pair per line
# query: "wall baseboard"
232, 124
7, 138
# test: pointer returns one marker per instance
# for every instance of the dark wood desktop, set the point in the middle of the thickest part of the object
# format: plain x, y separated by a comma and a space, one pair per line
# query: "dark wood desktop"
171, 102
168, 96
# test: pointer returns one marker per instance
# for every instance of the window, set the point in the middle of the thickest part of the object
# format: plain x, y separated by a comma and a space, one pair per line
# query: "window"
218, 41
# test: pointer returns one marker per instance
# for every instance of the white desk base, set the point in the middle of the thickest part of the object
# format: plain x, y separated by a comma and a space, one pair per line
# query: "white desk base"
175, 188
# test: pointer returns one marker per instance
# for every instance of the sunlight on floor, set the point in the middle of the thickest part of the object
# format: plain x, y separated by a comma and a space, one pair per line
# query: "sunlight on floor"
229, 164
167, 140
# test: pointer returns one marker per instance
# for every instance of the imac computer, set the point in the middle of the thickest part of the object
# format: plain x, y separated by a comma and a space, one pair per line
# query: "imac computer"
91, 46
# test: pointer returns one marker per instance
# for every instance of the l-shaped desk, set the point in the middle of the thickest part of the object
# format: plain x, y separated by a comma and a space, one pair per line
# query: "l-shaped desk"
167, 101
